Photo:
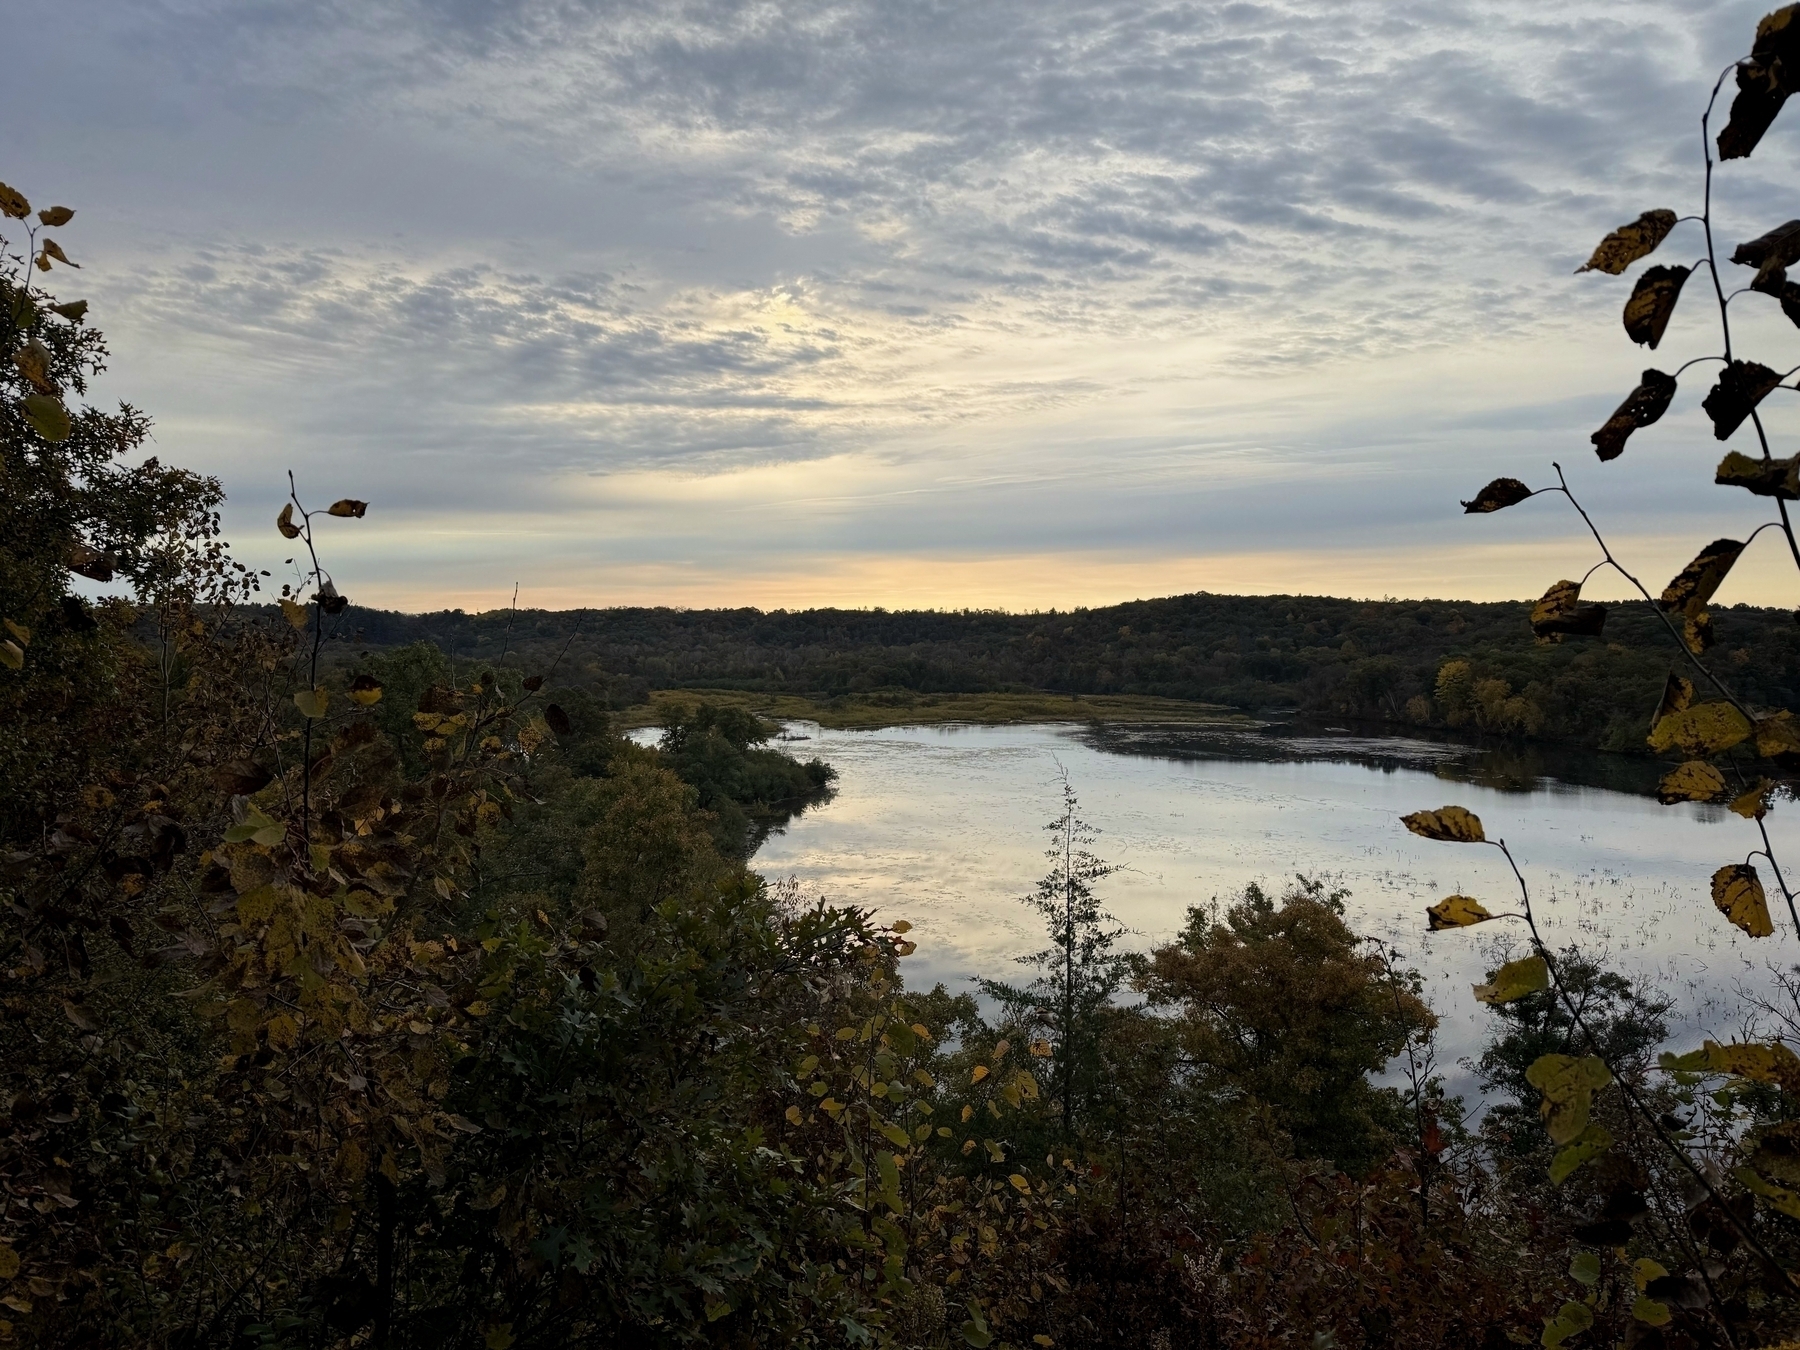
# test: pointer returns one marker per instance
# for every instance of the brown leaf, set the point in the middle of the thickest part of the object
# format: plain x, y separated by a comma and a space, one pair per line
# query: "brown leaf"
1694, 781
78, 1018
1770, 255
1742, 385
1777, 735
1496, 496
285, 523
53, 249
558, 720
56, 215
348, 506
1764, 81
329, 600
1449, 824
1643, 406
533, 683
91, 563
1652, 302
1628, 243
1737, 892
1558, 613
1700, 731
1690, 590
13, 203
33, 361
241, 777
74, 311
1764, 477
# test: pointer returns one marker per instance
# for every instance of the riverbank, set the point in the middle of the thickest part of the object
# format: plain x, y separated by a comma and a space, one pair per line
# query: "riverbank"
895, 708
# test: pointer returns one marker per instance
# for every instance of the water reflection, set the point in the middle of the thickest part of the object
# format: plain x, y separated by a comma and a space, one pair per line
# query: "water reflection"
943, 826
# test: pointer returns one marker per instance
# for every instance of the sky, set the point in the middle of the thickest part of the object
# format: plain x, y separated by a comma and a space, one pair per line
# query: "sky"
996, 303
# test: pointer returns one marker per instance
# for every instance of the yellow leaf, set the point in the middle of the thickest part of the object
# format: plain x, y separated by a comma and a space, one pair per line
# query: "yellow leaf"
365, 691
1559, 613
1703, 730
1040, 1049
1694, 781
1694, 586
1457, 911
1777, 735
1514, 980
311, 702
1020, 1184
793, 1115
10, 655
1644, 1270
13, 203
967, 1112
284, 1031
979, 1072
1567, 1083
1773, 1063
56, 216
20, 632
54, 250
33, 361
1737, 892
1754, 804
294, 614
9, 1262
285, 523
1451, 824
901, 926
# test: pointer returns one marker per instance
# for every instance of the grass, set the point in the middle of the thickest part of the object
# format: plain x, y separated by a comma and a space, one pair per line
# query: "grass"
894, 708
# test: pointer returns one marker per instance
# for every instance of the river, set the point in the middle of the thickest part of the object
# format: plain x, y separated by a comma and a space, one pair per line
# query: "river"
943, 826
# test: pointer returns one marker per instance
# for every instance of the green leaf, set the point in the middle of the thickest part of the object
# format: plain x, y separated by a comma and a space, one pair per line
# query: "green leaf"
1649, 1311
1584, 1268
898, 1137
1514, 980
1586, 1146
1628, 243
1570, 1320
48, 417
311, 702
1568, 1084
975, 1330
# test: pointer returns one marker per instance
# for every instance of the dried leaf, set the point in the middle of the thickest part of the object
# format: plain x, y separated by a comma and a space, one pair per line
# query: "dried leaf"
55, 216
1694, 781
48, 417
74, 311
1642, 407
1558, 613
365, 690
1514, 980
33, 361
293, 613
12, 656
1628, 243
1737, 892
241, 777
1701, 731
1678, 693
1697, 632
1457, 911
91, 563
1764, 81
1764, 477
1742, 385
1694, 585
1497, 495
54, 250
348, 506
533, 683
329, 600
558, 720
1450, 824
13, 203
285, 523
1771, 254
77, 1018
1652, 302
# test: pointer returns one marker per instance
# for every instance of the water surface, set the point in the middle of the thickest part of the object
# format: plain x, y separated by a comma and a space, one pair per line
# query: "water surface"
944, 826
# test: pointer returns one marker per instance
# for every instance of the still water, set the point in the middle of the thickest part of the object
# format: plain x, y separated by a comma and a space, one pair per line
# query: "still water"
943, 826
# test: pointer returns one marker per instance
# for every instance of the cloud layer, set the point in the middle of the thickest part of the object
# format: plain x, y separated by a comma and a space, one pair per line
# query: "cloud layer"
726, 296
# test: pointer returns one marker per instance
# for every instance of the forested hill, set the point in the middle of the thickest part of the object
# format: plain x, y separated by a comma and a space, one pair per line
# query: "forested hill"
1395, 660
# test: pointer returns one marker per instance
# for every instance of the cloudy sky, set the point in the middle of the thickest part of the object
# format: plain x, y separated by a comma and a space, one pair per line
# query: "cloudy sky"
995, 302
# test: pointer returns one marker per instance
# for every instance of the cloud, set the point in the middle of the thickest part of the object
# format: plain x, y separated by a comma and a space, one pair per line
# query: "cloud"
475, 253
